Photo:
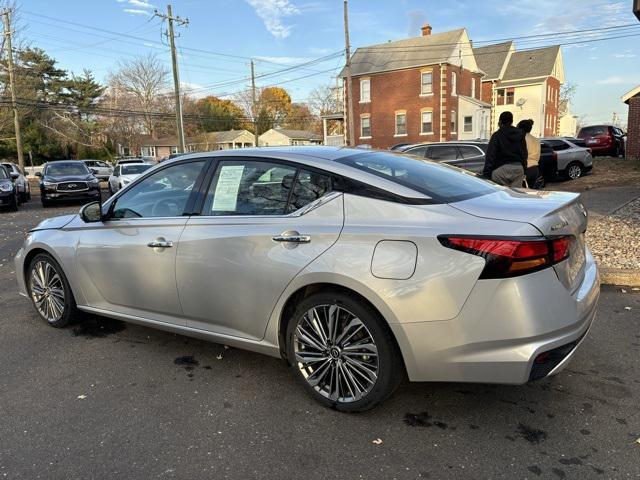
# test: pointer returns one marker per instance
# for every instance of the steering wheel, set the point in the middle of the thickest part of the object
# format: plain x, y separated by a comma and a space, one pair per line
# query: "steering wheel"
166, 207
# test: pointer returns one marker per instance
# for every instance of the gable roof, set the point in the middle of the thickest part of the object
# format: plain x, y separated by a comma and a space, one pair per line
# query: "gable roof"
298, 134
532, 63
227, 136
491, 59
412, 52
629, 95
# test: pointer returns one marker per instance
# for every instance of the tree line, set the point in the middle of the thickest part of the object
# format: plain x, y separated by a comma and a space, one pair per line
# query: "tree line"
69, 115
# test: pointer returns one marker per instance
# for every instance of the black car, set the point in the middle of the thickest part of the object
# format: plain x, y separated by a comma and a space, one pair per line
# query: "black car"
8, 190
67, 180
470, 155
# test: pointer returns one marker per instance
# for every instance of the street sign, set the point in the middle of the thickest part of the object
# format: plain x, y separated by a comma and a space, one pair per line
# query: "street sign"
636, 8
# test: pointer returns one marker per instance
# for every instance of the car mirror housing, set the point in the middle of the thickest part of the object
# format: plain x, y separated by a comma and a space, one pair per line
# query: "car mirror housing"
38, 174
91, 212
14, 175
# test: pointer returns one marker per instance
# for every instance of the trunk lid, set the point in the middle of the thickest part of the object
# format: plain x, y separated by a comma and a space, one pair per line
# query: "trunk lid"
552, 213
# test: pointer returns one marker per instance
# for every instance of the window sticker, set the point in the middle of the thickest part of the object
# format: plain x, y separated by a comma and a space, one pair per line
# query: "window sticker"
226, 195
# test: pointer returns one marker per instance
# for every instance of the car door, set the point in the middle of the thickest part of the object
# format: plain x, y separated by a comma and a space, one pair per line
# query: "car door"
446, 154
261, 223
126, 264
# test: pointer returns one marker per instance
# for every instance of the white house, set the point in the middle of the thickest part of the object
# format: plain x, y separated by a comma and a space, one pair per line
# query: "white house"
282, 136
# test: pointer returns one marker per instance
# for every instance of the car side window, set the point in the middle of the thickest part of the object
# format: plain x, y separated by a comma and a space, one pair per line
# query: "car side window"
469, 151
162, 194
558, 145
309, 187
418, 151
242, 187
116, 171
443, 152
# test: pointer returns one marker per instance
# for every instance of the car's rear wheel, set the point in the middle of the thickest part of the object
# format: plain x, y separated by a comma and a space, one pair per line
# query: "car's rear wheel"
50, 292
574, 170
342, 352
13, 205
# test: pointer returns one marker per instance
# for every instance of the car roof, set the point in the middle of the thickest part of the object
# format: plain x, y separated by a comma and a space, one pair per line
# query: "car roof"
321, 157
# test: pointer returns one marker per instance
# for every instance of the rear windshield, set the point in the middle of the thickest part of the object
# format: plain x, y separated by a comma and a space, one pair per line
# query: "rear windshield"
134, 168
593, 131
439, 181
75, 168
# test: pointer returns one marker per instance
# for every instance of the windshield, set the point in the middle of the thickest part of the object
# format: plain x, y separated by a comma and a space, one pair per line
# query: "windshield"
440, 182
593, 131
3, 173
58, 169
134, 169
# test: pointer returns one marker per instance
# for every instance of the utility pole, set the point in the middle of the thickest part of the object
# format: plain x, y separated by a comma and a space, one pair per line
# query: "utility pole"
176, 76
347, 51
253, 104
12, 83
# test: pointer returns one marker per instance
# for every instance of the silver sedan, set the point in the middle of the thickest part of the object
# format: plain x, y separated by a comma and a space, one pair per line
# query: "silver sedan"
357, 267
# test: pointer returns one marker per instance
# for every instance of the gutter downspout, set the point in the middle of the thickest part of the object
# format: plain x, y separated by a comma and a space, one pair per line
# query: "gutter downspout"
440, 110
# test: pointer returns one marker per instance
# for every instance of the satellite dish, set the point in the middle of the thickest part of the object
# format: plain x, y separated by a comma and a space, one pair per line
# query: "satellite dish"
521, 102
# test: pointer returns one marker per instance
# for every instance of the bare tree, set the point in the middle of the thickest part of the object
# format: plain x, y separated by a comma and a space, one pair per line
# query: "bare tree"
324, 100
143, 83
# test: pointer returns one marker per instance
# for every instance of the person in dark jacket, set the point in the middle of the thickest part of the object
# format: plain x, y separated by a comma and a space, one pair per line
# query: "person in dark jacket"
506, 158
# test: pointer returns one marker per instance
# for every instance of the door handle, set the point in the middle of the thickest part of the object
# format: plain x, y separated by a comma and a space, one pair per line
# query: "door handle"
292, 237
160, 243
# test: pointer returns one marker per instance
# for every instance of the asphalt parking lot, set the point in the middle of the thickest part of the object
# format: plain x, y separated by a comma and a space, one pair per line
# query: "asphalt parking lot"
103, 399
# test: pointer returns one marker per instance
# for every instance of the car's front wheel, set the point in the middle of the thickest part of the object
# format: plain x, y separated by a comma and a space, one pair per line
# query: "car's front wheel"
574, 171
342, 352
50, 292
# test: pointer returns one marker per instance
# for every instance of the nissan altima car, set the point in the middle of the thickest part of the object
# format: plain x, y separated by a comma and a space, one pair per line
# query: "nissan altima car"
124, 174
357, 267
67, 180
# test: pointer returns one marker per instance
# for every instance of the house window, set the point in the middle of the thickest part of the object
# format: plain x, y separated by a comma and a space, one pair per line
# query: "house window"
365, 90
174, 149
365, 127
468, 124
501, 96
454, 122
427, 122
401, 123
426, 83
454, 83
510, 96
148, 151
473, 87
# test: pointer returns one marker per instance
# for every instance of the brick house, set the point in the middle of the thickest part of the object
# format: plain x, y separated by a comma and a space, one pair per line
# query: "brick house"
423, 89
527, 83
632, 148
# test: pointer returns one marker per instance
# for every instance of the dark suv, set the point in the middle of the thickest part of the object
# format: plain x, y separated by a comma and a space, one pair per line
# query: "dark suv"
603, 140
8, 190
67, 180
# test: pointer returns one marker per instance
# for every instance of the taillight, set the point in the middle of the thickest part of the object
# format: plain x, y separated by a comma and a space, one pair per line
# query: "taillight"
511, 257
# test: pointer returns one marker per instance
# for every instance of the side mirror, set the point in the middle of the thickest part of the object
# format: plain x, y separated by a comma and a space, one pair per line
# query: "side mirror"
14, 175
38, 174
91, 212
94, 171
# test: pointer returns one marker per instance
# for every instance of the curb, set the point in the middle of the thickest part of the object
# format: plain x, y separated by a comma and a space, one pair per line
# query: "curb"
627, 277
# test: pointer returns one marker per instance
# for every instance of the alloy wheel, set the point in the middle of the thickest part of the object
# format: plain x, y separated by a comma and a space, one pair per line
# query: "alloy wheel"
336, 353
574, 172
47, 291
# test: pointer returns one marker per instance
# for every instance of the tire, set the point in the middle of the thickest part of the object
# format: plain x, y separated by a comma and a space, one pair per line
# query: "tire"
61, 309
574, 171
358, 390
45, 203
24, 197
13, 206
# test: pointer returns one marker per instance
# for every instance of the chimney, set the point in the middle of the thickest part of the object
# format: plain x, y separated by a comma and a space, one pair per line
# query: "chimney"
426, 30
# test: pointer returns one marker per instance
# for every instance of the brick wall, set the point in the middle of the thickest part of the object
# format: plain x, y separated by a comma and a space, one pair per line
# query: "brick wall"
633, 129
552, 120
400, 91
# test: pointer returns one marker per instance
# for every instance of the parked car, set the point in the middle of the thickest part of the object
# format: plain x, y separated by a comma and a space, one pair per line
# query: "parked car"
124, 174
399, 146
573, 161
358, 267
21, 182
122, 161
604, 140
8, 190
67, 180
101, 170
467, 155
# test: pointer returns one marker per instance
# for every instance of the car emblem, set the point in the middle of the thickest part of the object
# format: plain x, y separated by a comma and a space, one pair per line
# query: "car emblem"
72, 185
560, 225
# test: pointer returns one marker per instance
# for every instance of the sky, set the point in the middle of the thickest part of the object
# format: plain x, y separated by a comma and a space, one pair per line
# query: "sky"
222, 35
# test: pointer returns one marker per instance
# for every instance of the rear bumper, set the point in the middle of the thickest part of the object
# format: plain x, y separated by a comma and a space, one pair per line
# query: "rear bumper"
503, 328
